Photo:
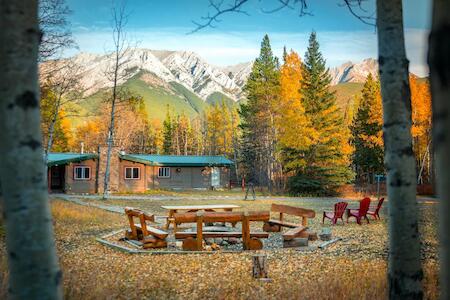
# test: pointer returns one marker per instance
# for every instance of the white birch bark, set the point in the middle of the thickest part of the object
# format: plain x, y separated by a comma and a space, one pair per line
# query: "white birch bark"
33, 268
405, 271
117, 73
439, 62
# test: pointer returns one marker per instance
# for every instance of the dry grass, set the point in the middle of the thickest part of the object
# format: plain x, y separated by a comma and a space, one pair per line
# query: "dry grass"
353, 269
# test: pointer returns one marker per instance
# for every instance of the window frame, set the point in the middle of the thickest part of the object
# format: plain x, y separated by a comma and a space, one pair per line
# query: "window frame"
83, 173
164, 176
132, 173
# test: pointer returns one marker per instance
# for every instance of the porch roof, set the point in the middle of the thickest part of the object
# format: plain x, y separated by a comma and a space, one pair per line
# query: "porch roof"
55, 159
178, 160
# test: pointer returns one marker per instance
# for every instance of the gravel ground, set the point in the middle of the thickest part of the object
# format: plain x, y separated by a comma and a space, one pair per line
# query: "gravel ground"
368, 240
352, 269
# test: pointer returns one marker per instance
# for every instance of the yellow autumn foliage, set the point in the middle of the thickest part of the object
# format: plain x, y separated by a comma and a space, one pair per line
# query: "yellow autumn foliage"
420, 107
293, 127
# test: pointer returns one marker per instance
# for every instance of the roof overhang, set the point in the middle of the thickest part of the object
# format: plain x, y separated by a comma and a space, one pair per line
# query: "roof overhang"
178, 164
72, 159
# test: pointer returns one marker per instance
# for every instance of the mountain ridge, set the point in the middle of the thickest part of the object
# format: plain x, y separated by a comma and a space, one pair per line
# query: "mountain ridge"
184, 67
187, 83
193, 72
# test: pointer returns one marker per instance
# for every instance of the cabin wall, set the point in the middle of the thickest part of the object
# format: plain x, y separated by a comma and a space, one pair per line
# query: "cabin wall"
81, 186
186, 178
182, 178
225, 176
148, 179
127, 185
114, 169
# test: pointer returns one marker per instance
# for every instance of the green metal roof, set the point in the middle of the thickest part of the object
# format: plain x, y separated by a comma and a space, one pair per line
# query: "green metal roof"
55, 159
178, 160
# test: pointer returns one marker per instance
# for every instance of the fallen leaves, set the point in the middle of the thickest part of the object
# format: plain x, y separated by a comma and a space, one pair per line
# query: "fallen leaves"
354, 268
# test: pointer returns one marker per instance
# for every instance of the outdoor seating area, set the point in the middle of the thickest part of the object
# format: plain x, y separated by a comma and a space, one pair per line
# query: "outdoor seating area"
91, 238
216, 226
359, 213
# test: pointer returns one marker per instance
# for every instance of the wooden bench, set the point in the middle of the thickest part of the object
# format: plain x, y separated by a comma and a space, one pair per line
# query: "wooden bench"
193, 208
297, 230
194, 240
274, 225
150, 237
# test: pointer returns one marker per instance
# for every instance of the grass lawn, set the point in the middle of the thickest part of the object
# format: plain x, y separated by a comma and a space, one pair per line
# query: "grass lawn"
352, 269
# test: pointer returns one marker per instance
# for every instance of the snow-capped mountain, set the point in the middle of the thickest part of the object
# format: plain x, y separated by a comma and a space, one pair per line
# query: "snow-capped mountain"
191, 71
186, 68
354, 72
97, 68
239, 73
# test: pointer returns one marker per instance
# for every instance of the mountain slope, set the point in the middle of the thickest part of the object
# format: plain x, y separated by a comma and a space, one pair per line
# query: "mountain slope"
183, 67
354, 72
187, 83
158, 97
192, 71
218, 98
345, 94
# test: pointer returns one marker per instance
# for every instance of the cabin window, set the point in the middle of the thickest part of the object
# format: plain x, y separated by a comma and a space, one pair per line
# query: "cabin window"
164, 172
132, 173
82, 173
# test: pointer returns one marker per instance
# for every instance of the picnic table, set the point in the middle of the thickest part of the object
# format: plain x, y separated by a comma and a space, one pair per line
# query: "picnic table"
194, 208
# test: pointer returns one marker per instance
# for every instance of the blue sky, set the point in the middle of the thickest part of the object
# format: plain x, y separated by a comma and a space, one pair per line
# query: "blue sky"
159, 24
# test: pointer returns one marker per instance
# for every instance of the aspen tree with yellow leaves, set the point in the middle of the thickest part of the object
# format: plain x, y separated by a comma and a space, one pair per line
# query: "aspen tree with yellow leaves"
294, 131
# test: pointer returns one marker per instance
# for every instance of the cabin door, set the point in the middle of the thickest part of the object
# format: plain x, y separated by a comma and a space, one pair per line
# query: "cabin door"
57, 178
215, 177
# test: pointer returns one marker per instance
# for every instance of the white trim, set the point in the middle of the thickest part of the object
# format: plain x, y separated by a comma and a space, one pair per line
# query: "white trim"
132, 173
83, 173
167, 172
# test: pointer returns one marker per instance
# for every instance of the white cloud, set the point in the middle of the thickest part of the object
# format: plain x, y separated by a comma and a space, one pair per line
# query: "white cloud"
227, 48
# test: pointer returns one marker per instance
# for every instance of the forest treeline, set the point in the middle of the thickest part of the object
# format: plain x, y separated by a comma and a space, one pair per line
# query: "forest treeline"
289, 134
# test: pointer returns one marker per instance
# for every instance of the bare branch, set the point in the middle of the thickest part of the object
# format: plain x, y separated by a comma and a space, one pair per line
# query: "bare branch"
302, 6
56, 35
354, 5
219, 9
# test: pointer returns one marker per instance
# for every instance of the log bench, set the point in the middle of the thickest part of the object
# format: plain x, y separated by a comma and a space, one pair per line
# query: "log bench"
274, 225
193, 241
298, 234
151, 237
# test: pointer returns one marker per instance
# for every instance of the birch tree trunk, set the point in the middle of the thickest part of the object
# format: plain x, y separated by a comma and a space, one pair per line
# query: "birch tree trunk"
119, 21
33, 268
439, 62
405, 270
110, 140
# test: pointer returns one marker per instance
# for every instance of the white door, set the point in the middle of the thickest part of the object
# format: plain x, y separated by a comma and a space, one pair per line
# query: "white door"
215, 177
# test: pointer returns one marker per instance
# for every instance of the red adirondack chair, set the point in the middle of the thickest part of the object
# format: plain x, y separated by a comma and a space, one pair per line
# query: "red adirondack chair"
339, 210
361, 212
375, 213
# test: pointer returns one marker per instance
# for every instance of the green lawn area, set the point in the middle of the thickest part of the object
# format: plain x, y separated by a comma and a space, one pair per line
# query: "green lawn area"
352, 269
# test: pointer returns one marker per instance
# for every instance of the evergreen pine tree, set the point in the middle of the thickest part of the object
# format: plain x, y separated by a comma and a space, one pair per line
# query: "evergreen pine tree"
167, 134
258, 117
367, 133
285, 54
327, 159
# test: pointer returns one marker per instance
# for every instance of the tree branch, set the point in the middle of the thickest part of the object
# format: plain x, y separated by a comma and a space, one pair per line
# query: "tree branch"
354, 5
220, 8
210, 19
303, 7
